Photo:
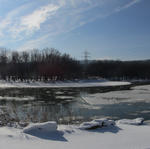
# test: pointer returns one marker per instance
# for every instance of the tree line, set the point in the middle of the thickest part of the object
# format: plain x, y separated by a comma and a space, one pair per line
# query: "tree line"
42, 65
120, 70
49, 65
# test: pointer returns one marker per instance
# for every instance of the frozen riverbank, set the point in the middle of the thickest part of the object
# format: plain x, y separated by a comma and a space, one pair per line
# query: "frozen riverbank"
62, 84
136, 94
122, 103
120, 136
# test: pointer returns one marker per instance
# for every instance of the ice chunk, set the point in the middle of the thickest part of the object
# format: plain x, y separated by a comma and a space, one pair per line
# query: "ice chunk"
137, 121
43, 127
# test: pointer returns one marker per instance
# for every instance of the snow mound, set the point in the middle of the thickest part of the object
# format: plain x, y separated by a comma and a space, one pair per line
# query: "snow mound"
137, 121
50, 126
104, 122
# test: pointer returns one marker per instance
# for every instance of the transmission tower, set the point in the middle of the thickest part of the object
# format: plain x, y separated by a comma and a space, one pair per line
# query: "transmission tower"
86, 57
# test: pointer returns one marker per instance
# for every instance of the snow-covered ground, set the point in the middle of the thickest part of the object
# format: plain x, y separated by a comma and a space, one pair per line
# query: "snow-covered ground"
61, 84
120, 136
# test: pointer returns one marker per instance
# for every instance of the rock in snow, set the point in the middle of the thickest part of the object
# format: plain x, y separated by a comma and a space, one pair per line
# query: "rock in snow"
101, 121
109, 123
104, 122
50, 126
89, 125
137, 121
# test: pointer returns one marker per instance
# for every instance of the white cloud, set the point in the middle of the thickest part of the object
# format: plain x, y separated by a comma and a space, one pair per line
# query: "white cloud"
34, 20
30, 23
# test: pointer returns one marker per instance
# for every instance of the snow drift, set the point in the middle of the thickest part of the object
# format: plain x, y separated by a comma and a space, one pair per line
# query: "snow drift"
50, 126
48, 136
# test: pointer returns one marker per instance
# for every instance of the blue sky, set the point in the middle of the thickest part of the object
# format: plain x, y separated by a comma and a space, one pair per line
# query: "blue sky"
107, 29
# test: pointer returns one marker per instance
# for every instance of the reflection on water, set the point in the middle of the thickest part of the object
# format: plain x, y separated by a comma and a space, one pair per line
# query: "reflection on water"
64, 105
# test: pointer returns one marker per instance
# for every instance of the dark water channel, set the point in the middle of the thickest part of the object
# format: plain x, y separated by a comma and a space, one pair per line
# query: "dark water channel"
63, 105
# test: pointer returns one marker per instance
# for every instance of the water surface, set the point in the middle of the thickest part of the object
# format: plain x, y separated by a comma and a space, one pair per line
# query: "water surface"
68, 105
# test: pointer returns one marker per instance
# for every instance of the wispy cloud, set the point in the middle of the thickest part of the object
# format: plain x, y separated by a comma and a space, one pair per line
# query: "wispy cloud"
10, 19
33, 24
34, 43
127, 5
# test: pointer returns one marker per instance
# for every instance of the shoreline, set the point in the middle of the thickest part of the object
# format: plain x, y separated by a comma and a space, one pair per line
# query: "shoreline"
61, 84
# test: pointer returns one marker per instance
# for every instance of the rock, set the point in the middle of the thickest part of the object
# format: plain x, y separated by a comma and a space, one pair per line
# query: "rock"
105, 122
97, 123
109, 123
101, 121
89, 125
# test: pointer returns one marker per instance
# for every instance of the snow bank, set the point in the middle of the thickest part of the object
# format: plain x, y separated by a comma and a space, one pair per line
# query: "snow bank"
61, 84
137, 121
117, 137
43, 127
103, 122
